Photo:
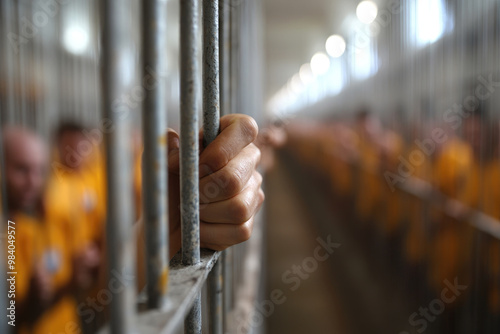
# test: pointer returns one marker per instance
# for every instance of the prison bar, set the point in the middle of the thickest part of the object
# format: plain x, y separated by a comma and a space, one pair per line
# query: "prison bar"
224, 96
154, 168
116, 62
211, 127
211, 88
189, 97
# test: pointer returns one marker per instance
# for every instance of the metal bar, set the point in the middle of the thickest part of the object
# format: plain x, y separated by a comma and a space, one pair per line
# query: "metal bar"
117, 63
225, 44
211, 127
192, 324
154, 171
211, 89
189, 94
224, 47
215, 290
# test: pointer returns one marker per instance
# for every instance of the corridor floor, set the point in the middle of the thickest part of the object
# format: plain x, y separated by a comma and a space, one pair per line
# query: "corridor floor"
344, 294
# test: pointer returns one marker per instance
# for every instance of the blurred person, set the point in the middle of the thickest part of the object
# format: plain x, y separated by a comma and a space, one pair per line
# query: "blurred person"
48, 268
417, 178
391, 215
369, 130
343, 155
457, 173
76, 186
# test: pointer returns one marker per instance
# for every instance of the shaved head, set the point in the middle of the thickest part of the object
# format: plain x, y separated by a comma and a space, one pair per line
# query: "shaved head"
25, 168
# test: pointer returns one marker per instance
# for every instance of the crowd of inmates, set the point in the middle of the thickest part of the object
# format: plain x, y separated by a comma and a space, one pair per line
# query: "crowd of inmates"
56, 199
415, 192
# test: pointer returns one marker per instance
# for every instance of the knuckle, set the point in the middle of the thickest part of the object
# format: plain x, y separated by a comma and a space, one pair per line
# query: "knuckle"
262, 197
249, 127
220, 158
234, 182
259, 178
256, 154
244, 231
242, 209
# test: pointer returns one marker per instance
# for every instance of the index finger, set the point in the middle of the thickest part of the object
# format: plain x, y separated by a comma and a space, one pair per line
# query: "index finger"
237, 132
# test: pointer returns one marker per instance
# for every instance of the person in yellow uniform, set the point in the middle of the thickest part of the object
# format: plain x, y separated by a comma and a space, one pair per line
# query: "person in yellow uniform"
45, 260
452, 173
457, 175
416, 234
368, 192
390, 217
343, 155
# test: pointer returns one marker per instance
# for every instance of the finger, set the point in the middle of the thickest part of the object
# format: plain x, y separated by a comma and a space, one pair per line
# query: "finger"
221, 236
237, 131
237, 209
230, 180
173, 151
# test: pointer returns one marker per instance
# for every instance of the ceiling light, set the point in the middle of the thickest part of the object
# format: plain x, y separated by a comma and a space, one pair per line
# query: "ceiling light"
306, 74
76, 40
367, 11
320, 63
335, 46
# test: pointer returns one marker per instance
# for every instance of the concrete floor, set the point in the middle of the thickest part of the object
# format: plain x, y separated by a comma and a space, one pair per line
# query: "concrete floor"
312, 307
345, 294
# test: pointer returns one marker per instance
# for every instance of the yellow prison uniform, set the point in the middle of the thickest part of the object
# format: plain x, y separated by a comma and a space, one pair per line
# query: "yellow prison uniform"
369, 189
455, 175
40, 243
342, 175
416, 241
391, 218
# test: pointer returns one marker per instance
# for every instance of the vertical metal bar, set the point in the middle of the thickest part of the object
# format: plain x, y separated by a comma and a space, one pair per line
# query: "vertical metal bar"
117, 64
189, 94
224, 57
192, 323
211, 89
225, 44
211, 126
154, 171
215, 289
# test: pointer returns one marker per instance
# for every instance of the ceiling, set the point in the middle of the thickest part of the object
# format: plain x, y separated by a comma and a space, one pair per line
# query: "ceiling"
295, 30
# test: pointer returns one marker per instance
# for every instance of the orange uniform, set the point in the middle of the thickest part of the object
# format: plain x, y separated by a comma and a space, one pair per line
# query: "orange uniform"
391, 218
370, 180
456, 176
41, 243
417, 237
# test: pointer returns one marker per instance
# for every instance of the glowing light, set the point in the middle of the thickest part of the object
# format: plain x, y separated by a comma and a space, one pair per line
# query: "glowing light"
76, 40
320, 63
306, 74
430, 20
367, 11
335, 46
296, 84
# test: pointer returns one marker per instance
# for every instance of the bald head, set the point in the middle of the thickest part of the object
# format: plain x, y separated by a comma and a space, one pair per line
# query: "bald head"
25, 168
